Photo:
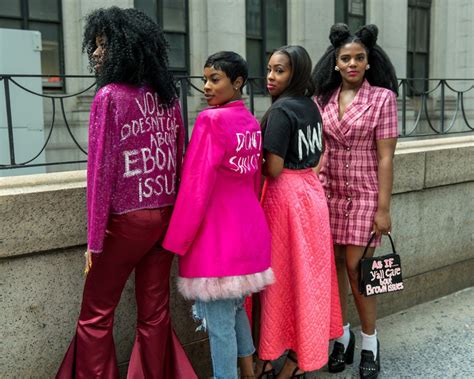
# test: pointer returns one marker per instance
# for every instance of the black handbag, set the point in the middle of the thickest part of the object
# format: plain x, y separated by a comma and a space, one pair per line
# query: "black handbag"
382, 274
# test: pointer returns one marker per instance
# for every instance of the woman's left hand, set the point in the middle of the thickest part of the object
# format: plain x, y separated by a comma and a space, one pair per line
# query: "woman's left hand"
382, 222
88, 262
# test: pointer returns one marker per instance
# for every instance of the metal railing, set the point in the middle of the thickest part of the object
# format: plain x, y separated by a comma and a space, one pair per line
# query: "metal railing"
436, 94
444, 108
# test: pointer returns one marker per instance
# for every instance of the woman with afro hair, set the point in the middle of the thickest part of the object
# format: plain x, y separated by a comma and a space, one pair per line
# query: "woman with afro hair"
356, 89
136, 137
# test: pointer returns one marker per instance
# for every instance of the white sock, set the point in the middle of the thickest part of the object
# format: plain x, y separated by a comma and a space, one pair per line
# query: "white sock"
369, 342
344, 339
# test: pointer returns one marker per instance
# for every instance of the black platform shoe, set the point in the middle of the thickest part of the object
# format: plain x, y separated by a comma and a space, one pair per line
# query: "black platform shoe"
369, 368
339, 358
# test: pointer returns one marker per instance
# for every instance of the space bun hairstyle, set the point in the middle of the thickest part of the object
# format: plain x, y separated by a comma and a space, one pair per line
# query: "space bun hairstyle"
381, 73
368, 35
339, 34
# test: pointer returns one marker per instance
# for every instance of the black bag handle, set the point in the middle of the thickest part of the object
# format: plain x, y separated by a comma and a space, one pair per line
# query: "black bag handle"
372, 236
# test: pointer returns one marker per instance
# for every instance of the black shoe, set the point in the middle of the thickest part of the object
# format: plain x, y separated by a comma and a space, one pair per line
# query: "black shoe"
339, 358
267, 374
369, 368
293, 374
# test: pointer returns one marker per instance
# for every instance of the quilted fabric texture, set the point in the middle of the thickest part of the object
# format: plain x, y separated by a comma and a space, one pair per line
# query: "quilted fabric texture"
301, 310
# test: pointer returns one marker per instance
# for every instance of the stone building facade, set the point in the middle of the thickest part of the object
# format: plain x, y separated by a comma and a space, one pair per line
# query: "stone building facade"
424, 38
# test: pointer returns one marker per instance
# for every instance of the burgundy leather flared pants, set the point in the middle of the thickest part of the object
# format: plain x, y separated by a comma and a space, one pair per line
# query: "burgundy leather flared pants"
133, 241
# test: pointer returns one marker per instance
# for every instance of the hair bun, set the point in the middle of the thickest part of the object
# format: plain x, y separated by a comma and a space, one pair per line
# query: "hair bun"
368, 35
338, 34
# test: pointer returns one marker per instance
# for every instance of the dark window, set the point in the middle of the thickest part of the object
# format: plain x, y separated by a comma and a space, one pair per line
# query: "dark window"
418, 43
172, 15
44, 16
266, 31
351, 12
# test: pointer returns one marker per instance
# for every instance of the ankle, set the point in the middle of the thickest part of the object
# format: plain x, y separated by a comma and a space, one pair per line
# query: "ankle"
346, 336
369, 342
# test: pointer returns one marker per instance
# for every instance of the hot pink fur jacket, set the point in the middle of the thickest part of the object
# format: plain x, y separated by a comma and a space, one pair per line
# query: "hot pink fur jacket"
218, 227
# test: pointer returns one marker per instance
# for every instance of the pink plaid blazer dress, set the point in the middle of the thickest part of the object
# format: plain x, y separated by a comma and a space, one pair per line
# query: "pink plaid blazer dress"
349, 167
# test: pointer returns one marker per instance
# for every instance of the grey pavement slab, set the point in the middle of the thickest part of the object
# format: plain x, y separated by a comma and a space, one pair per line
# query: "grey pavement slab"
430, 340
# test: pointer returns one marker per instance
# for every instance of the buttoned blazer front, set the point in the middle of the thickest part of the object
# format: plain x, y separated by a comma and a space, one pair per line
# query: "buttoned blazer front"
350, 164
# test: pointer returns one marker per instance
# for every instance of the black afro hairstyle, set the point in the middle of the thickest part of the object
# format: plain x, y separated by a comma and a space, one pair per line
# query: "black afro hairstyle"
136, 51
381, 73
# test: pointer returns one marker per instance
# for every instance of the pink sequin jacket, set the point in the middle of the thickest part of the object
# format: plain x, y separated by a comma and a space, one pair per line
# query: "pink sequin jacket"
134, 155
218, 226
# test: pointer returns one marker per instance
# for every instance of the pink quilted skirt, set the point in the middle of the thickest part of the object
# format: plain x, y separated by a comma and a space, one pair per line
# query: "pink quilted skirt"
301, 310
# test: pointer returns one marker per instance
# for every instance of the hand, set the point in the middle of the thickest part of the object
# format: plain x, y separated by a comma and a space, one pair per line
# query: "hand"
88, 262
382, 222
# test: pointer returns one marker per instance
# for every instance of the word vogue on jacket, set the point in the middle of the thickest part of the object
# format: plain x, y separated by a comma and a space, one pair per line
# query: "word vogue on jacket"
134, 150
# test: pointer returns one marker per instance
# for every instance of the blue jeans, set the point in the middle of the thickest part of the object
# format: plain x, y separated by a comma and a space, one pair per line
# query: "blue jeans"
229, 333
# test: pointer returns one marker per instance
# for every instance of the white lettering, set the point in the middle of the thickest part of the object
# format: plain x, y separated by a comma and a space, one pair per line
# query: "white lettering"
125, 132
129, 161
311, 141
150, 103
147, 157
142, 109
246, 164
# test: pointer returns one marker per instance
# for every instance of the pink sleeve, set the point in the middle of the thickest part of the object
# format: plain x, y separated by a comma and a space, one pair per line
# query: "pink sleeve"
180, 141
203, 157
101, 170
387, 126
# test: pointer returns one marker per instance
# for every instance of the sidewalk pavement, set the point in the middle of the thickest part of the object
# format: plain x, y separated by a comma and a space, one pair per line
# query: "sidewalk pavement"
430, 340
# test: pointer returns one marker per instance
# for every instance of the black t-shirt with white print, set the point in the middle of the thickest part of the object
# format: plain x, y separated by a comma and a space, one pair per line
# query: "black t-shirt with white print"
293, 131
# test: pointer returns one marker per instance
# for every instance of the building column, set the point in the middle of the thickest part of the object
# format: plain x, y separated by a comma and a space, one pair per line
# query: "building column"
215, 25
391, 17
451, 53
308, 22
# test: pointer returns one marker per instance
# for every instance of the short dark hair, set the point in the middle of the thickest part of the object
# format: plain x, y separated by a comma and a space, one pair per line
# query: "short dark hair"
231, 63
301, 83
136, 51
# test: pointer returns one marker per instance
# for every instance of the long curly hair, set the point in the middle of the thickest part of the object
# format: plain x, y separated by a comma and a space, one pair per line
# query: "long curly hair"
136, 51
381, 73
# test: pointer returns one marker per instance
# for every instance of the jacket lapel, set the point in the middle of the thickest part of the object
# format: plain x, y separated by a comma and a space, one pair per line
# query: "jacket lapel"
332, 113
357, 108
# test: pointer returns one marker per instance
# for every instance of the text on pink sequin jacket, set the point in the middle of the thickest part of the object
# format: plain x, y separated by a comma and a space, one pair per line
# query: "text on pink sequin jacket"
134, 155
218, 227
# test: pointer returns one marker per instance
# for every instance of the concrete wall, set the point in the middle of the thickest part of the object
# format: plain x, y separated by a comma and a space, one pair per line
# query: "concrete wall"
43, 231
433, 220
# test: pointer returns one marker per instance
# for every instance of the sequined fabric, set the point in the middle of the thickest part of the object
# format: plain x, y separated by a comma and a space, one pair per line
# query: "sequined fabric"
134, 155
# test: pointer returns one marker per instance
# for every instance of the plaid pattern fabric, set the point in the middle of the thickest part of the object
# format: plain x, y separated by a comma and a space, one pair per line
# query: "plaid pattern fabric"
349, 169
